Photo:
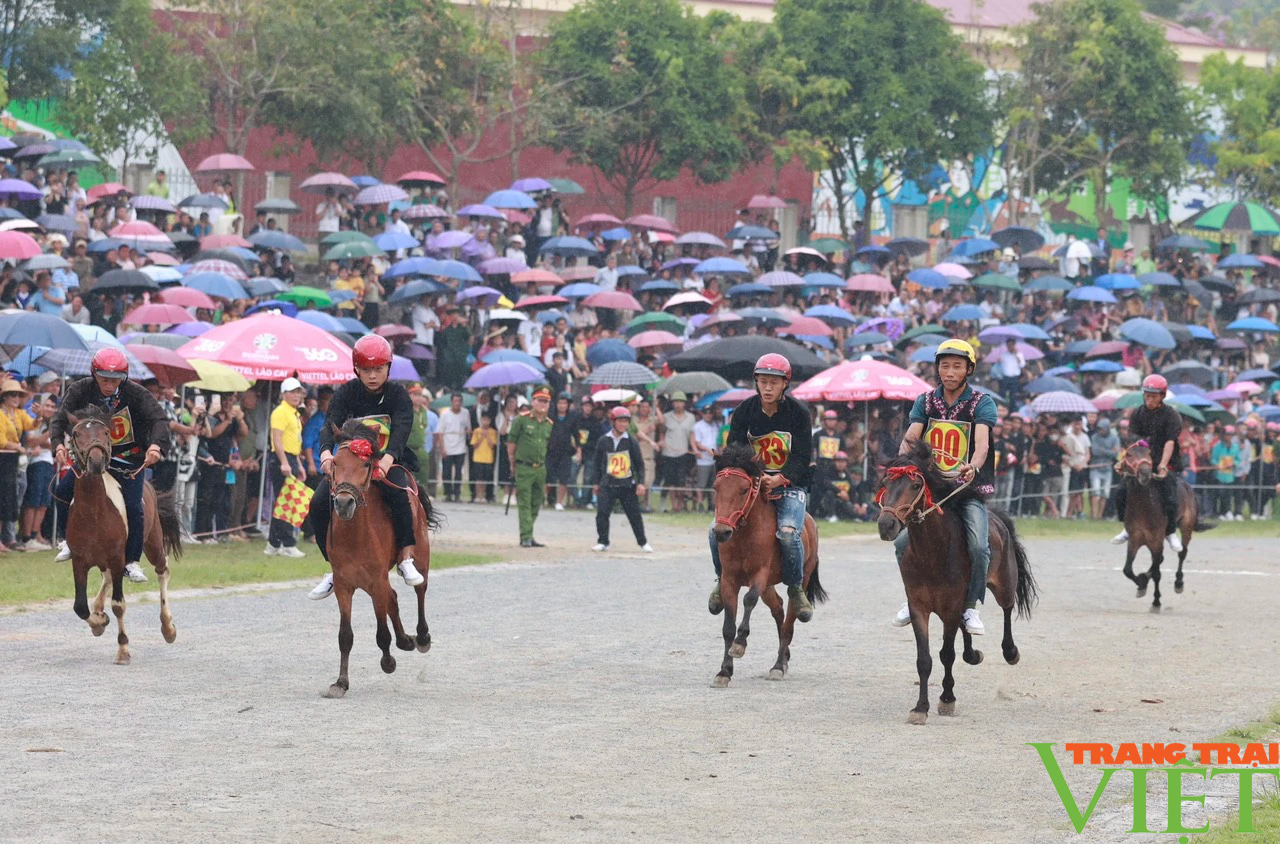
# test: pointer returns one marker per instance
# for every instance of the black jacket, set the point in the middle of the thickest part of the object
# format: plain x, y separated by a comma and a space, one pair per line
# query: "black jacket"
784, 441
391, 407
138, 420
625, 470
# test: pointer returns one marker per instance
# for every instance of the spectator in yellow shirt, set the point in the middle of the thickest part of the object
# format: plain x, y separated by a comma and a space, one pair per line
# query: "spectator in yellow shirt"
285, 461
484, 446
14, 424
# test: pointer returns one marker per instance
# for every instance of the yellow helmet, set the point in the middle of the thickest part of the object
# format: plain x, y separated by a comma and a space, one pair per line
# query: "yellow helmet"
956, 347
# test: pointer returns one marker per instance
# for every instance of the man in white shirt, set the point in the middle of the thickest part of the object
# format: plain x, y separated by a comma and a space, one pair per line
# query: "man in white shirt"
455, 429
706, 441
1009, 366
328, 214
530, 334
425, 323
607, 276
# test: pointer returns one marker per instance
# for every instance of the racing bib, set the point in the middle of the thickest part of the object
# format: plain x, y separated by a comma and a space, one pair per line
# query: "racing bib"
122, 428
950, 441
380, 425
619, 465
827, 447
841, 486
772, 449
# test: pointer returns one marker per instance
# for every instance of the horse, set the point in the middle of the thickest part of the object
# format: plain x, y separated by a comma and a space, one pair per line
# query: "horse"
751, 556
1145, 521
935, 566
362, 548
97, 530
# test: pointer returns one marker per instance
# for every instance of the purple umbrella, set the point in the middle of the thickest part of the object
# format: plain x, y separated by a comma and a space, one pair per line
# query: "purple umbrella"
1061, 402
18, 189
449, 240
190, 329
423, 212
531, 185
143, 202
488, 294
890, 327
402, 369
479, 210
417, 351
501, 266
700, 239
380, 195
680, 262
1027, 351
504, 375
35, 151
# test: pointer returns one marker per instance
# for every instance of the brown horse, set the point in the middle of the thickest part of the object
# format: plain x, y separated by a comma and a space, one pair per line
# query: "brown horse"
1145, 520
751, 556
362, 548
935, 567
96, 530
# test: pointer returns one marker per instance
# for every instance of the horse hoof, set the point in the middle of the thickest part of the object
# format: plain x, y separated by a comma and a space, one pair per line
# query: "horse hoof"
1142, 592
335, 691
917, 719
405, 644
98, 629
388, 664
1012, 656
720, 681
123, 658
776, 673
973, 658
1155, 608
945, 708
1177, 588
738, 651
423, 647
170, 635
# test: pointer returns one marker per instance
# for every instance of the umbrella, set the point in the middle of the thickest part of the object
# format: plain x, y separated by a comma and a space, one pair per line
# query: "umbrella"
700, 239
419, 179
30, 328
657, 285
322, 182
566, 186
583, 273
1023, 239
748, 289
1034, 262
514, 355
924, 354
1185, 241
268, 239
607, 351
220, 241
69, 160
995, 281
764, 316
345, 236
1027, 351
278, 206
598, 222
510, 199
823, 280
874, 250
721, 266
501, 266
230, 269
541, 301
1159, 279
921, 330
954, 272
830, 314
861, 380
395, 332
124, 280
1049, 384
581, 290
1257, 324
17, 246
1259, 296
651, 222
1236, 217
655, 339
614, 300
1092, 294
1148, 333
204, 200
531, 185
321, 320
79, 361
1240, 262
551, 315
457, 270
57, 223
156, 314
1219, 284
415, 289
699, 383
1117, 281
1258, 375
958, 313
353, 249
507, 315
416, 351
393, 241
169, 368
975, 246
569, 246
658, 320
809, 327
752, 233
380, 194
928, 278
912, 246
45, 262
1109, 366
735, 357
273, 347
1111, 347
412, 266
351, 325
302, 295
223, 161
866, 338
217, 378
166, 340
18, 189
1135, 399
1061, 401
263, 287
623, 374
480, 210
781, 278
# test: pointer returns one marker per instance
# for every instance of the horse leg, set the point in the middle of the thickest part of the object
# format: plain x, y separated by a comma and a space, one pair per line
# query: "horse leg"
971, 655
167, 629
739, 648
97, 616
1140, 579
947, 703
924, 666
343, 591
381, 601
117, 609
1157, 557
1182, 555
774, 603
403, 642
730, 597
423, 639
1011, 654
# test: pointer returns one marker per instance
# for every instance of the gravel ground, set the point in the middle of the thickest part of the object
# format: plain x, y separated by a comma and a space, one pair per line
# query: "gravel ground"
567, 698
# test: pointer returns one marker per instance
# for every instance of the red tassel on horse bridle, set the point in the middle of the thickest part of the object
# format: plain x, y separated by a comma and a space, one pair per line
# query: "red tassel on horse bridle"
735, 518
901, 513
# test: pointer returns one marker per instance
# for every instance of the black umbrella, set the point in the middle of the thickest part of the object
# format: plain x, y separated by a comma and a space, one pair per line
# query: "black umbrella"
912, 246
1179, 331
1035, 262
1195, 288
223, 255
1191, 371
278, 206
1259, 296
177, 237
1218, 283
1050, 384
735, 357
1026, 240
1185, 241
124, 280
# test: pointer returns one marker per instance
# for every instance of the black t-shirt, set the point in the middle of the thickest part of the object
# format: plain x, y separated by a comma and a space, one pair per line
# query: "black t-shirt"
1158, 427
557, 381
219, 447
783, 442
1050, 455
564, 430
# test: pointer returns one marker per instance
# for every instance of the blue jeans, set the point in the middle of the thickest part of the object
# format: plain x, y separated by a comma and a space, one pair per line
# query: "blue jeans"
791, 509
130, 488
977, 534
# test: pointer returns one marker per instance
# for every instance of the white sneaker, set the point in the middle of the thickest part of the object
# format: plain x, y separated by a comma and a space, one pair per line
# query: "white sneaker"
972, 623
647, 548
64, 553
290, 551
1174, 542
590, 506
559, 506
41, 545
1236, 517
323, 589
903, 618
831, 518
134, 572
271, 551
412, 577
1120, 538
599, 546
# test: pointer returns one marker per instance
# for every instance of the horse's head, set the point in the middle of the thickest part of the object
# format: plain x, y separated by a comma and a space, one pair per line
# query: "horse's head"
354, 463
90, 441
907, 489
737, 487
1137, 462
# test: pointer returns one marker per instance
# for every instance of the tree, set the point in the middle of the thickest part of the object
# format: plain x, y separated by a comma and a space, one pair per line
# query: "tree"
1247, 101
882, 89
646, 89
39, 39
1104, 98
126, 86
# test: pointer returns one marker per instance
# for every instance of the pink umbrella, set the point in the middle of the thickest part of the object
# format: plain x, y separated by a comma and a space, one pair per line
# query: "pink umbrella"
187, 297
219, 266
652, 222
395, 332
593, 222
273, 347
1106, 400
1244, 388
18, 246
614, 300
861, 380
578, 273
541, 301
106, 189
536, 276
139, 230
157, 315
418, 178
688, 299
869, 283
1110, 347
761, 200
515, 215
952, 270
424, 212
654, 339
1028, 351
734, 398
807, 326
224, 161
162, 259
224, 241
321, 182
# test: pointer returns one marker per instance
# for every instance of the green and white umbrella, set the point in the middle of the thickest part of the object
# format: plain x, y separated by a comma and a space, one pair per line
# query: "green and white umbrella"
1237, 217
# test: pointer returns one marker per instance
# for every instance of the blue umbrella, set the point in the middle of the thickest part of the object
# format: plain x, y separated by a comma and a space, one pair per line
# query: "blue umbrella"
393, 241
974, 246
823, 280
928, 278
215, 284
1047, 284
503, 375
1117, 281
659, 285
579, 290
101, 247
457, 270
13, 214
750, 233
265, 286
550, 315
924, 354
619, 233
607, 351
569, 246
816, 340
1194, 400
336, 296
721, 266
286, 308
36, 329
320, 320
1199, 332
709, 400
365, 181
61, 223
1253, 324
1237, 261
351, 325
867, 338
510, 355
1061, 371
414, 289
25, 362
1051, 384
510, 199
631, 269
749, 289
268, 239
1029, 331
1102, 366
1257, 375
1149, 333
1184, 241
962, 312
1077, 348
874, 250
413, 266
484, 296
830, 314
1159, 279
1092, 294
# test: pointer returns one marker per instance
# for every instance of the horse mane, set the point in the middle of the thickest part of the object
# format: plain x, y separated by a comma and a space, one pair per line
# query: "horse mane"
91, 411
354, 429
920, 455
740, 456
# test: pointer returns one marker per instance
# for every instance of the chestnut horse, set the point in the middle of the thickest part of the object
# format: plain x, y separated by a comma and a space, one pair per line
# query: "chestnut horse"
750, 555
935, 567
362, 548
96, 530
1145, 521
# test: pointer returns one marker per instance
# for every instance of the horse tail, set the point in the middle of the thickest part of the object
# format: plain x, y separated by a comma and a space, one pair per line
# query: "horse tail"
1202, 525
170, 527
816, 593
435, 519
1026, 593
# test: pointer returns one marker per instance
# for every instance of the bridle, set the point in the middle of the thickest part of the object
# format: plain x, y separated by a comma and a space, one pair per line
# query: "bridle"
81, 457
906, 512
753, 494
362, 449
1129, 466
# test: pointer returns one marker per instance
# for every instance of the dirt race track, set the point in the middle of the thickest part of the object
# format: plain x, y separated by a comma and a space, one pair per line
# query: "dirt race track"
567, 698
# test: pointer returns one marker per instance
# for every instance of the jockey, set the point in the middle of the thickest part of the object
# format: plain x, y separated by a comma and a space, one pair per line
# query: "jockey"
956, 421
138, 426
386, 408
1160, 425
780, 430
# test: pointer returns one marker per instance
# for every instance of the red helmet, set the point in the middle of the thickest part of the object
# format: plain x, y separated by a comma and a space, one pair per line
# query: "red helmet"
619, 413
371, 350
110, 363
773, 364
1155, 384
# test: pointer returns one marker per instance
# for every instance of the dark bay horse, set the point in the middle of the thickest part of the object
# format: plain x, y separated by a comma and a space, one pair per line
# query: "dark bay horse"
96, 530
751, 556
1145, 520
362, 548
935, 567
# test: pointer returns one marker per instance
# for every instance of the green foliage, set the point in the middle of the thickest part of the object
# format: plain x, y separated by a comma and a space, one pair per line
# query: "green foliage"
873, 88
40, 38
1247, 100
647, 89
1163, 8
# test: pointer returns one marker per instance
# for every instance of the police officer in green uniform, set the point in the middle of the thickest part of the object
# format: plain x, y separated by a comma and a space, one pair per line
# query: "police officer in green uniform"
527, 451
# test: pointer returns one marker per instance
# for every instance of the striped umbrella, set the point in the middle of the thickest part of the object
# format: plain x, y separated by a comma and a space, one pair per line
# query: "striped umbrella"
1237, 217
1061, 401
380, 195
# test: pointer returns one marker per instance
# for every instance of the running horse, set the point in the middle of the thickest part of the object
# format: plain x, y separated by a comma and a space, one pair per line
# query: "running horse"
97, 530
1145, 521
362, 548
935, 566
750, 555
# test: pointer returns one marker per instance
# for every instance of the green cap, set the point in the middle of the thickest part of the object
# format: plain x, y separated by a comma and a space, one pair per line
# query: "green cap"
679, 395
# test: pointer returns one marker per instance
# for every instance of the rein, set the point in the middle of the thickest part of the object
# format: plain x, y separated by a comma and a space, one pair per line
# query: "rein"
906, 512
1127, 466
735, 518
82, 457
364, 450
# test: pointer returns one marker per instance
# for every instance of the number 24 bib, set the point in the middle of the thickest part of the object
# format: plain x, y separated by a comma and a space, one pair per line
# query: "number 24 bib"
620, 465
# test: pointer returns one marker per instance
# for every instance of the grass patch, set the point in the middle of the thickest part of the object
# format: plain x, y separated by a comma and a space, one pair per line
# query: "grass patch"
29, 578
1266, 813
